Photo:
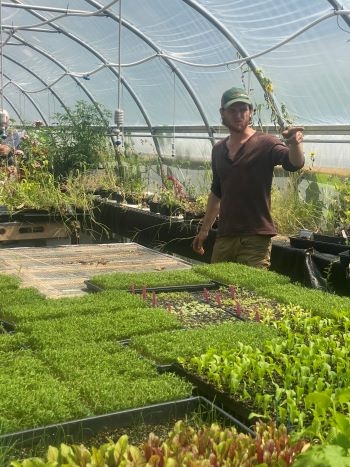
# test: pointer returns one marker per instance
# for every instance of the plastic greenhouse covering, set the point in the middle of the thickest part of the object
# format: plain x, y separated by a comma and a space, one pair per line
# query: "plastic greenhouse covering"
160, 66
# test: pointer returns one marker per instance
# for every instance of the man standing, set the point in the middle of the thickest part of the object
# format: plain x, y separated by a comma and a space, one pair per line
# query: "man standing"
242, 169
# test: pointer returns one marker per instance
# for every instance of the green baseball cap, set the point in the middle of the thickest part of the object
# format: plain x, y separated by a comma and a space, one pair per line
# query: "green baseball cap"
233, 95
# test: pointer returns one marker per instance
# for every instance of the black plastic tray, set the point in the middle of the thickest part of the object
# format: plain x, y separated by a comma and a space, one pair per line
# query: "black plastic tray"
329, 239
83, 429
204, 389
169, 288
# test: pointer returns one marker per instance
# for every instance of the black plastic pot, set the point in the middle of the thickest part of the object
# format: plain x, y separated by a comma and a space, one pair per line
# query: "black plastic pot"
34, 215
344, 258
151, 229
81, 430
118, 197
329, 239
323, 247
5, 215
169, 211
192, 216
132, 199
154, 206
104, 193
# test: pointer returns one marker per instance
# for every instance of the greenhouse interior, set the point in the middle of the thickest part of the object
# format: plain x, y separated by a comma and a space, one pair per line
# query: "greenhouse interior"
174, 233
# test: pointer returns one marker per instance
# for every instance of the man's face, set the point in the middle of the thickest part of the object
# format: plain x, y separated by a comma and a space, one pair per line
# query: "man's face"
236, 117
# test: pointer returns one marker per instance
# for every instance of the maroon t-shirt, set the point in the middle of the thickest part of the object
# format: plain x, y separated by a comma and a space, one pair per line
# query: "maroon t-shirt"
244, 184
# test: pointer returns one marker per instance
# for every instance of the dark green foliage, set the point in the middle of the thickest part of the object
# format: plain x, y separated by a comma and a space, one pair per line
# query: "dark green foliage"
78, 141
21, 298
76, 346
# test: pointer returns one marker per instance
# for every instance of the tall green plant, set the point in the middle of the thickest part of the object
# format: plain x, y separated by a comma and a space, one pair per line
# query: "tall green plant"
79, 140
290, 211
338, 213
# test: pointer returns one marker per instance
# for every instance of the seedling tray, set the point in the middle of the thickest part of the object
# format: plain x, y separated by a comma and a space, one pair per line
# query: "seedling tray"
169, 288
83, 429
237, 410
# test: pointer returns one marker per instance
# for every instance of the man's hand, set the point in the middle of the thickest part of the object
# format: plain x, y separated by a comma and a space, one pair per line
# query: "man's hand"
198, 241
293, 135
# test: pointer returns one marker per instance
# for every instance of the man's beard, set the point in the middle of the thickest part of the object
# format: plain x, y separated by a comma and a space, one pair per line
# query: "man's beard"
233, 127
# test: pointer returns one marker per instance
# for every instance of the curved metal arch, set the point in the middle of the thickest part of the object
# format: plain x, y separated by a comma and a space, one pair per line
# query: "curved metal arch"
35, 105
226, 33
13, 107
58, 29
62, 67
177, 72
202, 11
154, 47
31, 72
338, 7
100, 57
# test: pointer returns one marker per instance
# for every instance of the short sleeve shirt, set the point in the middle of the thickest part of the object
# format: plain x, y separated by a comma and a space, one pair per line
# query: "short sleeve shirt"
244, 184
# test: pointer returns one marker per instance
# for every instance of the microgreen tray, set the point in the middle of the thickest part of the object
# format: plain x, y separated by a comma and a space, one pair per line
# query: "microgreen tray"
83, 429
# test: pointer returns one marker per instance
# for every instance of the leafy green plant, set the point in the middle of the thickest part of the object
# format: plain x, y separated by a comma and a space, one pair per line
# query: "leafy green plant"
301, 380
291, 212
110, 325
126, 367
324, 455
39, 190
186, 446
310, 356
78, 141
338, 211
196, 207
9, 282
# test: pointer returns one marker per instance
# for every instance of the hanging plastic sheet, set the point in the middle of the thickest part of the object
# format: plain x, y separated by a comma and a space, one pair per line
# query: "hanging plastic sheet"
313, 274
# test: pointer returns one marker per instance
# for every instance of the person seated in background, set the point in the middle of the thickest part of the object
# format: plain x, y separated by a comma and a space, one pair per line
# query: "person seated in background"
10, 139
8, 160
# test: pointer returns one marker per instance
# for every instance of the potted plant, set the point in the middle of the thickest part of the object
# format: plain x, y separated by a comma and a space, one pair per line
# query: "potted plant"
154, 202
134, 191
171, 202
195, 208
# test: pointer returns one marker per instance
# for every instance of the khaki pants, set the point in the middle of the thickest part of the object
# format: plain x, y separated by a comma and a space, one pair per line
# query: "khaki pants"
252, 250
